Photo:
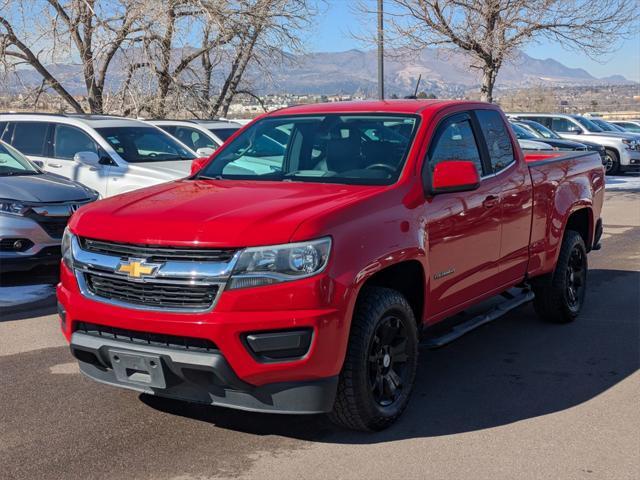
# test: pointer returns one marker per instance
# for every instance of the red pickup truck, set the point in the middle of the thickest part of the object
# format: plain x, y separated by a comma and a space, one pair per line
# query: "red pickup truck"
298, 268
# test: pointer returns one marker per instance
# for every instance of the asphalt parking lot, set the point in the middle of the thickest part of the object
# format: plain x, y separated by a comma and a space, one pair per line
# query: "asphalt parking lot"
517, 398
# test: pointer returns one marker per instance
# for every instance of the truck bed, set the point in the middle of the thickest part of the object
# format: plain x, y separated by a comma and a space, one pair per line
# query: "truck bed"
558, 178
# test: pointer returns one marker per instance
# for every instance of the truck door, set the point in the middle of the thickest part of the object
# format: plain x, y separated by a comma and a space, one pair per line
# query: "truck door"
462, 228
515, 197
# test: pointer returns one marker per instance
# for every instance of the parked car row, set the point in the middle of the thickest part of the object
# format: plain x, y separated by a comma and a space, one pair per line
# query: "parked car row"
50, 165
622, 149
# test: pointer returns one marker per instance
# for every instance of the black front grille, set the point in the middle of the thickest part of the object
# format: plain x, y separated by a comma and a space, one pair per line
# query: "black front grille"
153, 294
54, 226
146, 338
157, 253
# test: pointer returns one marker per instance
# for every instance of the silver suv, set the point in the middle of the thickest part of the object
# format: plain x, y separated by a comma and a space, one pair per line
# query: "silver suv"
622, 149
34, 209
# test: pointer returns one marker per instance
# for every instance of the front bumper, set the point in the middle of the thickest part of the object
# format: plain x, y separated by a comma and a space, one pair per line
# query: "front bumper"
630, 160
44, 249
201, 377
232, 375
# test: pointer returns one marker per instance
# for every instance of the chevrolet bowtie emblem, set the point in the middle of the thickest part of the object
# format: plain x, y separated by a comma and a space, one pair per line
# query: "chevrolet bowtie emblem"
137, 268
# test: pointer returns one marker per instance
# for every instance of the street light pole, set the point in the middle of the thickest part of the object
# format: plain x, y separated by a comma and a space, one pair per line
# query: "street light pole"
380, 52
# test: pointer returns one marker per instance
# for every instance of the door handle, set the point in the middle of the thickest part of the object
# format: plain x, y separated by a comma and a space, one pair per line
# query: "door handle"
55, 165
490, 202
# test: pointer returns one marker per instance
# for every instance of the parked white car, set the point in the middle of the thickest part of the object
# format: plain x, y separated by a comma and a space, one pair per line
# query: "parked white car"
622, 149
202, 136
111, 155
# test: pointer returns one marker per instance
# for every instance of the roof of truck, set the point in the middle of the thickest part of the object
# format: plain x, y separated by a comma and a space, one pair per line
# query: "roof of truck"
377, 106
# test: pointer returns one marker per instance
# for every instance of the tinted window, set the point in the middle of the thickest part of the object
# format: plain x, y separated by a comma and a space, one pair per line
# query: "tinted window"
457, 142
194, 139
29, 137
562, 125
497, 138
144, 144
352, 149
588, 124
67, 141
2, 126
224, 133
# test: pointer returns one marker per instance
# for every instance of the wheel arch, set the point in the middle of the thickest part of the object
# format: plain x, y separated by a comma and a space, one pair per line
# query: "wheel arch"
406, 277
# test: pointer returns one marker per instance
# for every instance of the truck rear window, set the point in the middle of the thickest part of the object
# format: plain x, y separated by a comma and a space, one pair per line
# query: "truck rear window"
351, 149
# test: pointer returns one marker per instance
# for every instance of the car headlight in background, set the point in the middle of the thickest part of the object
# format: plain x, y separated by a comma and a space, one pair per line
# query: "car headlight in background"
280, 263
631, 144
65, 245
12, 207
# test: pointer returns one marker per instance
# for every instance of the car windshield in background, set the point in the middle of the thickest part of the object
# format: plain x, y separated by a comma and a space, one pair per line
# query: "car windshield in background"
522, 133
13, 162
223, 133
144, 144
542, 130
351, 149
605, 126
588, 124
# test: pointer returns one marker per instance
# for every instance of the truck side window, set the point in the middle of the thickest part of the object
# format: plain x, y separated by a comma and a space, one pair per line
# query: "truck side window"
497, 139
457, 142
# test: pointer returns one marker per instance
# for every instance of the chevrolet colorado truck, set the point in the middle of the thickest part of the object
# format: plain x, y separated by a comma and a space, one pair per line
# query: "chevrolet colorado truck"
297, 269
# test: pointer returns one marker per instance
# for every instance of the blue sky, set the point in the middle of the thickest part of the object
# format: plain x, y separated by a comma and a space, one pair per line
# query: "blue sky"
332, 34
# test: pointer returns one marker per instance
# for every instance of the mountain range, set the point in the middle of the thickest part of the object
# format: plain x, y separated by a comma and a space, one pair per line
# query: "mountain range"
444, 72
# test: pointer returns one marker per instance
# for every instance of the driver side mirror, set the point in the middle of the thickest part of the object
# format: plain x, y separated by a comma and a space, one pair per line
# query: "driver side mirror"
89, 159
454, 176
197, 164
205, 151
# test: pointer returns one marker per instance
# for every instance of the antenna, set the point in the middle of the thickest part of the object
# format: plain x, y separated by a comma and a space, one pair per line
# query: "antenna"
415, 93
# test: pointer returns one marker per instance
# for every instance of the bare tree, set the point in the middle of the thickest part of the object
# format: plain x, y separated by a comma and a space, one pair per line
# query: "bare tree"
92, 30
491, 31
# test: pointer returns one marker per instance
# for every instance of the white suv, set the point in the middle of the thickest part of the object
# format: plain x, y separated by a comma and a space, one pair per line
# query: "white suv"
201, 136
622, 149
111, 155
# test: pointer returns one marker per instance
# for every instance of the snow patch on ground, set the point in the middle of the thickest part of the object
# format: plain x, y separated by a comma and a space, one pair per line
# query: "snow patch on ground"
623, 182
14, 296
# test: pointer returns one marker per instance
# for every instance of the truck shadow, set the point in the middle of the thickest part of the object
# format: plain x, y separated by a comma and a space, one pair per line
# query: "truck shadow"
514, 369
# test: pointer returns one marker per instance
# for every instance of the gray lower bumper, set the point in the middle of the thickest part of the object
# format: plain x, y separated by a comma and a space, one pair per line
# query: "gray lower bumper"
201, 377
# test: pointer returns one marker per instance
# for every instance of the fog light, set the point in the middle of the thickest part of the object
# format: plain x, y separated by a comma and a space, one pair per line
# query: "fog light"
62, 313
279, 346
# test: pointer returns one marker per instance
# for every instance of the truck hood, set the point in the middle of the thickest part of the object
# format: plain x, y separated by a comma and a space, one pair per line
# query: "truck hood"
42, 188
212, 213
165, 170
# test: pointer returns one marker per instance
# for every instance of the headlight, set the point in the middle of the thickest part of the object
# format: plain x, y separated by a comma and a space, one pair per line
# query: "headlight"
631, 144
12, 207
67, 252
280, 263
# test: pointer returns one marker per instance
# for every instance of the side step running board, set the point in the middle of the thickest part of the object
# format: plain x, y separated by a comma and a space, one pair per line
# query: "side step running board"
511, 301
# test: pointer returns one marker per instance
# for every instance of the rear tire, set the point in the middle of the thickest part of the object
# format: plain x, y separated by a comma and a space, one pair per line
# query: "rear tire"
560, 295
381, 361
612, 162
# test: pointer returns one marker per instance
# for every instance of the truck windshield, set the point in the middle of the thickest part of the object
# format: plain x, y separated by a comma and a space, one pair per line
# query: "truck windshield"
588, 124
144, 144
335, 148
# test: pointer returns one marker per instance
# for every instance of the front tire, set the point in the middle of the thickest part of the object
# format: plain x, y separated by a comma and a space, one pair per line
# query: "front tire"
560, 295
381, 362
612, 162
